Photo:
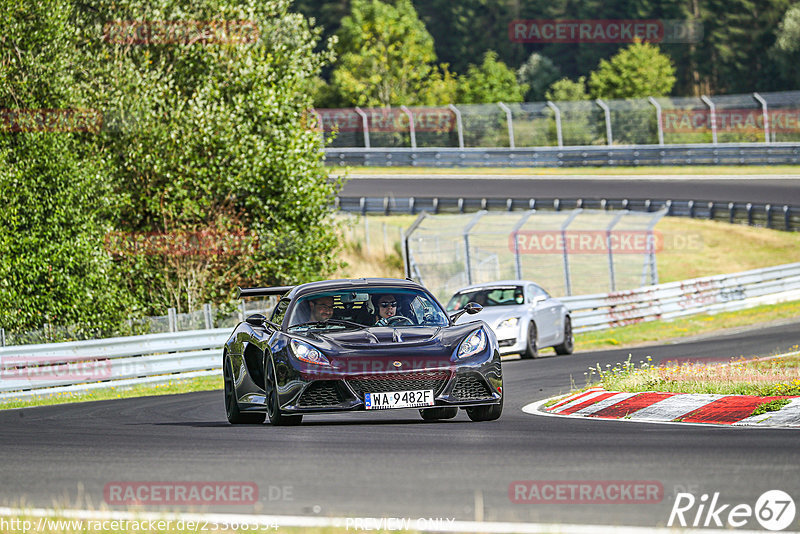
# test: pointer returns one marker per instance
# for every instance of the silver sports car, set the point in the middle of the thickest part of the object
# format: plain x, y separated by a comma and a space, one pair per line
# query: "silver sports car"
524, 316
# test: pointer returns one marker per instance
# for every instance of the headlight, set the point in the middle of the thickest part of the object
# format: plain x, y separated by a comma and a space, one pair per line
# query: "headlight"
475, 343
509, 323
307, 353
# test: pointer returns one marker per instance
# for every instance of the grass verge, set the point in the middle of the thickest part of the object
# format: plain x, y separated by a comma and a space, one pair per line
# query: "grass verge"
658, 331
765, 377
600, 171
203, 383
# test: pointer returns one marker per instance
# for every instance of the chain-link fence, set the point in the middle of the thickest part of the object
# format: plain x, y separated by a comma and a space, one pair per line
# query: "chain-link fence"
208, 317
746, 118
568, 252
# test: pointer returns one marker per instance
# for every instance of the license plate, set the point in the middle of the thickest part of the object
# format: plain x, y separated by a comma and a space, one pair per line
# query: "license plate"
398, 399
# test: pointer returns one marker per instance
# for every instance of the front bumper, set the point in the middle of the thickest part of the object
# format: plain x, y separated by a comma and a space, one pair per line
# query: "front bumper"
465, 384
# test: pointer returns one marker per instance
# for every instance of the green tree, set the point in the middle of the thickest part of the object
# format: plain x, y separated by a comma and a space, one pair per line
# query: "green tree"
211, 140
786, 51
54, 189
538, 73
565, 90
638, 71
386, 57
491, 81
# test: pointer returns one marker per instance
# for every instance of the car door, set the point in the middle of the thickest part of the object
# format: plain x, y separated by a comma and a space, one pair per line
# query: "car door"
547, 315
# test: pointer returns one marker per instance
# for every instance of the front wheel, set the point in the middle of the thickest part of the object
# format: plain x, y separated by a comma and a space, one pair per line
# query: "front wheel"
273, 403
531, 347
434, 414
569, 342
486, 413
236, 417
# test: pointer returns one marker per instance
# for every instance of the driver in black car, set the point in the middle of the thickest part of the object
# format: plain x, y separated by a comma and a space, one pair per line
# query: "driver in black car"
321, 309
386, 306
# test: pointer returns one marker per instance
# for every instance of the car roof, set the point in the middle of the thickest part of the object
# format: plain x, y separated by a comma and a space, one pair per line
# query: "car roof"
351, 283
500, 283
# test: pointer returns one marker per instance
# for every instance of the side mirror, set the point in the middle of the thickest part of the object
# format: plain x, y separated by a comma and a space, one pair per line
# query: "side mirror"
256, 320
471, 308
537, 299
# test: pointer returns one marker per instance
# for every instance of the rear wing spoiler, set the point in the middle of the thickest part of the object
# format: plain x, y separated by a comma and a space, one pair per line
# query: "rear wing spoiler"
263, 291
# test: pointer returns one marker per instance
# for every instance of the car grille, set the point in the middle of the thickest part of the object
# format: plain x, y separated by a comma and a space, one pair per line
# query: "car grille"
434, 380
470, 387
323, 393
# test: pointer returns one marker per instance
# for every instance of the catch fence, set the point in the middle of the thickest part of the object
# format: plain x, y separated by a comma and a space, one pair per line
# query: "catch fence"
568, 252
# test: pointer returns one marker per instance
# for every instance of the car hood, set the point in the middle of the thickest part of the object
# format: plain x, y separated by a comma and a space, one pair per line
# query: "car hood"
493, 315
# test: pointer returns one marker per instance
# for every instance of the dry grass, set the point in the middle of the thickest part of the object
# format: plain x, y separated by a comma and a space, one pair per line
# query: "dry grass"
771, 377
694, 248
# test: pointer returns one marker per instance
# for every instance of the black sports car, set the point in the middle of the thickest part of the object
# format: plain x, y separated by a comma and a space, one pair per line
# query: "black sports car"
366, 344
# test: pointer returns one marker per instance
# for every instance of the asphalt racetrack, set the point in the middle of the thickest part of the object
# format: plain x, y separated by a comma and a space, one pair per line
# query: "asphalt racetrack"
392, 464
778, 190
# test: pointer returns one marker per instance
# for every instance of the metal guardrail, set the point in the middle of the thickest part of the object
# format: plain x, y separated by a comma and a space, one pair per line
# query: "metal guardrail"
44, 370
688, 297
570, 156
29, 370
778, 217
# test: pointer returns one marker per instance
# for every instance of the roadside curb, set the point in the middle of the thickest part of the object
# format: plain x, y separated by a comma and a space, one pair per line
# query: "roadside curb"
686, 408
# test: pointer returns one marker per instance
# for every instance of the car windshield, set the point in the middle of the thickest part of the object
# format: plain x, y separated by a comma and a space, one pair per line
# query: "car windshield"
487, 297
365, 308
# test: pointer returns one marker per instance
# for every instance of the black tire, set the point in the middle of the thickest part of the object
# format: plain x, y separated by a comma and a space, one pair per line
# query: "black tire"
235, 417
569, 341
434, 414
486, 413
531, 347
271, 393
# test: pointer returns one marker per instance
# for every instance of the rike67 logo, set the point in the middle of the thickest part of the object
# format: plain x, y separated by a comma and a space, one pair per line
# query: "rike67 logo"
774, 510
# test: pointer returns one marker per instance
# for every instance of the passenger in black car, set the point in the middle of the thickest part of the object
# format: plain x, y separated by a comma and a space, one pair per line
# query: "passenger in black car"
385, 307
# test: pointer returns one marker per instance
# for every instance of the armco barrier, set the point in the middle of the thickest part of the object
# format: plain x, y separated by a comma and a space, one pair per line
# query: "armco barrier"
675, 299
570, 156
778, 217
27, 370
35, 370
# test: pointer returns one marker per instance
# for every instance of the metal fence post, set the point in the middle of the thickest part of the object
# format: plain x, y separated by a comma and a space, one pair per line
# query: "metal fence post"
514, 234
411, 130
607, 113
787, 218
567, 281
172, 319
459, 125
559, 133
764, 114
659, 120
713, 117
207, 316
467, 255
364, 125
242, 309
609, 229
2, 337
510, 123
406, 236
